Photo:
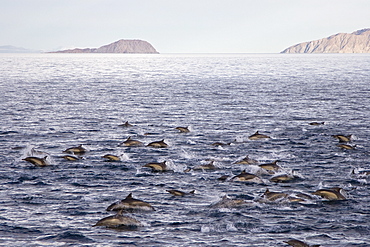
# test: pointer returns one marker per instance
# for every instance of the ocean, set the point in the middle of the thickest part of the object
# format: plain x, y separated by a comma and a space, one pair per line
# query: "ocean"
51, 102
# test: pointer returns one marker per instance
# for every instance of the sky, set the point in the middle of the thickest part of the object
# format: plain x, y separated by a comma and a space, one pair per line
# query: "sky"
178, 26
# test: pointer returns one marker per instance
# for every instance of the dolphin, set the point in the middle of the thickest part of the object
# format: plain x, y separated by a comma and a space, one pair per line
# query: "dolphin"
111, 157
157, 167
303, 196
331, 194
295, 199
271, 167
317, 123
343, 138
70, 157
76, 150
131, 204
216, 144
298, 243
273, 196
158, 144
282, 178
257, 136
150, 133
40, 162
223, 178
131, 143
179, 193
183, 129
118, 221
209, 166
37, 153
247, 177
346, 146
247, 161
187, 170
126, 124
360, 173
227, 202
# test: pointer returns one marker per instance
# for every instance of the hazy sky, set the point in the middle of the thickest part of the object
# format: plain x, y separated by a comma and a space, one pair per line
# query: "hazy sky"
178, 26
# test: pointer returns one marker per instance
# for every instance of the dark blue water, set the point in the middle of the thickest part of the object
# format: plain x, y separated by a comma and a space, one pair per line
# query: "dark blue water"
51, 102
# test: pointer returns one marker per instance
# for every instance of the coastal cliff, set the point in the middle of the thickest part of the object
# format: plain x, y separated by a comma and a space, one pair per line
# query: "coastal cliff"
356, 42
120, 46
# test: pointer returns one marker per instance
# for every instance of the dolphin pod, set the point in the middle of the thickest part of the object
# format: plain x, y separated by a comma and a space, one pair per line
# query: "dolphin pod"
130, 204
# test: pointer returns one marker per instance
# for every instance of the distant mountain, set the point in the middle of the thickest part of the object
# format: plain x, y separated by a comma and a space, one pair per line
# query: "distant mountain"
356, 42
13, 49
120, 46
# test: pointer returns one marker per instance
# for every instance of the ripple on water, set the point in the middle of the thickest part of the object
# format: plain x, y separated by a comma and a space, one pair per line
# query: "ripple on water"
55, 102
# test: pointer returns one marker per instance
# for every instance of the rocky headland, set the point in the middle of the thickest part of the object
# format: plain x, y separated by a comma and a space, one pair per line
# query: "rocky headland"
356, 42
120, 46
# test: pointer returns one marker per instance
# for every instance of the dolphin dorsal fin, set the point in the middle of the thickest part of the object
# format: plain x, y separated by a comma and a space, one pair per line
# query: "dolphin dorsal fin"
129, 196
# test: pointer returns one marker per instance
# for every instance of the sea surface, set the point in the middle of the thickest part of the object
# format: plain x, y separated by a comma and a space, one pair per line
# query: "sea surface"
51, 102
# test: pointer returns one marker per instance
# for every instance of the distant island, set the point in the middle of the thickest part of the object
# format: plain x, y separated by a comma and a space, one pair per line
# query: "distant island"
14, 49
356, 42
120, 46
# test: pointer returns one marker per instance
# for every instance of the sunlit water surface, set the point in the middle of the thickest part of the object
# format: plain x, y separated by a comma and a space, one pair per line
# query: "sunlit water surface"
51, 102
